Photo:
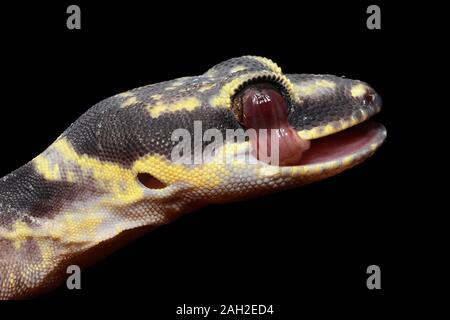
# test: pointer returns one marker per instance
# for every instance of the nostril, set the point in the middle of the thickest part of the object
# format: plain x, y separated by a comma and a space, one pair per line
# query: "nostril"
377, 100
150, 181
369, 97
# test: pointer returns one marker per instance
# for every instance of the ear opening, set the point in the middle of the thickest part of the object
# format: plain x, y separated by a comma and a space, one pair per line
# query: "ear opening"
150, 181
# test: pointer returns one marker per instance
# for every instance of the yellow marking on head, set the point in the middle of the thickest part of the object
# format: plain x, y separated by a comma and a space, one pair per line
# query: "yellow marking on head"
118, 228
347, 160
268, 63
46, 168
19, 233
157, 109
373, 146
238, 68
268, 171
206, 175
358, 90
176, 84
171, 87
74, 228
223, 98
119, 181
188, 104
347, 123
326, 84
211, 73
22, 231
310, 134
156, 96
48, 258
334, 164
67, 228
129, 102
125, 94
12, 279
206, 87
328, 129
301, 170
310, 88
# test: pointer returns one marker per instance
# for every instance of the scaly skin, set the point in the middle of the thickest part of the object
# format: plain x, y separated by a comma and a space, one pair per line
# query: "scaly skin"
82, 195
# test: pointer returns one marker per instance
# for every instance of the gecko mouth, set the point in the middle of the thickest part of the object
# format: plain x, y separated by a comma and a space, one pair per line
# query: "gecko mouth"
351, 141
263, 107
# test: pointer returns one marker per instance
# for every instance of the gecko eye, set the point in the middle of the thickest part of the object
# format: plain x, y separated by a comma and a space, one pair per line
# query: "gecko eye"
260, 106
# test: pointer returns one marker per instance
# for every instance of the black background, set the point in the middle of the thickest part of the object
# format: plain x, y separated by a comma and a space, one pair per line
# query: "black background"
291, 248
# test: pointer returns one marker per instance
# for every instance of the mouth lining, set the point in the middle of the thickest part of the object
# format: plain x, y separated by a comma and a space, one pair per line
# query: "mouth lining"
348, 142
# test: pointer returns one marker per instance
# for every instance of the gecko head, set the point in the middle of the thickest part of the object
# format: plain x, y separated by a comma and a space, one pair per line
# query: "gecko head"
299, 128
314, 128
263, 130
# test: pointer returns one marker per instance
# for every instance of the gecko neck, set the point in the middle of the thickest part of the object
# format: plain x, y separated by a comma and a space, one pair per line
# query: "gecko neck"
26, 195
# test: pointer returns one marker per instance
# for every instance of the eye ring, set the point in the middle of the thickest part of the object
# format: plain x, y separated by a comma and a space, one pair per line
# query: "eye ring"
238, 100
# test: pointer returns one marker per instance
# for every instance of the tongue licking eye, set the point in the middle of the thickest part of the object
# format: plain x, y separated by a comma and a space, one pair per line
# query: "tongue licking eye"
261, 106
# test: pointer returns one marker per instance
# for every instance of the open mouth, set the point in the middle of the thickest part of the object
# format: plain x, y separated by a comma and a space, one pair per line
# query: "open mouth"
263, 107
355, 141
363, 136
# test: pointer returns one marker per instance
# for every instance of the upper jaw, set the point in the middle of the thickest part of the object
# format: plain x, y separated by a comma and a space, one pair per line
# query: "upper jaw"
357, 117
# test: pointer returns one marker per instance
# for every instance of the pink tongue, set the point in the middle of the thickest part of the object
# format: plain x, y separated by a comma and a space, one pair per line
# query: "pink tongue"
265, 108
